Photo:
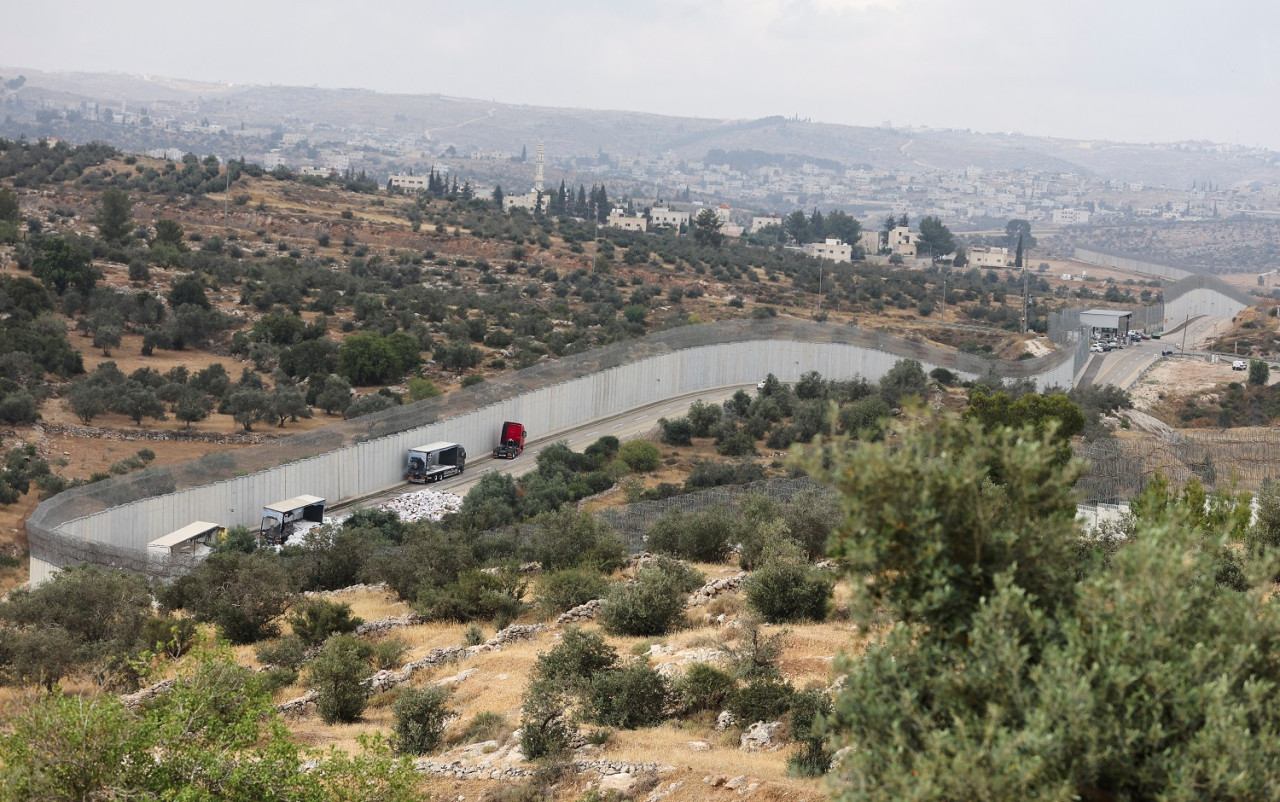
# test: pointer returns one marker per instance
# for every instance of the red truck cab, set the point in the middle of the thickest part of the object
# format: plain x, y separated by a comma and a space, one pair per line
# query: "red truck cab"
510, 441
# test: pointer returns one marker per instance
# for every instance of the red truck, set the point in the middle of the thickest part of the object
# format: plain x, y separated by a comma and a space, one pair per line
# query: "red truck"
510, 441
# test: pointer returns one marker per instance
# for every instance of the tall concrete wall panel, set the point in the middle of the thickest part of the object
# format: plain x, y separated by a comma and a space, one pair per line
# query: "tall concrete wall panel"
372, 462
1131, 263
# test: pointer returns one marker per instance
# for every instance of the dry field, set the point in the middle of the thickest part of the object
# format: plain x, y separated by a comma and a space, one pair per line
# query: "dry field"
494, 682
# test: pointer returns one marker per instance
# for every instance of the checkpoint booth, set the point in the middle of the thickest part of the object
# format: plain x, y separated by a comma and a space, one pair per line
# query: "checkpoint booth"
195, 538
1104, 323
278, 519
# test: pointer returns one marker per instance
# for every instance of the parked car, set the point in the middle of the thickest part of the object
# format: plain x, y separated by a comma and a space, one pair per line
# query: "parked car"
1239, 364
1096, 348
1166, 352
1155, 335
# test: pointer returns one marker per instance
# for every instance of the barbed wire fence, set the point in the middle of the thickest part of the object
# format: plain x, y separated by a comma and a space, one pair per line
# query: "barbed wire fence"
1118, 469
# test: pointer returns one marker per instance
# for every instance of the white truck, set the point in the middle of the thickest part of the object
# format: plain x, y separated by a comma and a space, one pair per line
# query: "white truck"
435, 461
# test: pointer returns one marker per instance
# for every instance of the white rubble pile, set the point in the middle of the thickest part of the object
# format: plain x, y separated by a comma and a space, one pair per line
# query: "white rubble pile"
301, 528
423, 504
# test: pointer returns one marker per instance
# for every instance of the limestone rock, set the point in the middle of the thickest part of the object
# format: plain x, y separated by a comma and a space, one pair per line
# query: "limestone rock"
761, 736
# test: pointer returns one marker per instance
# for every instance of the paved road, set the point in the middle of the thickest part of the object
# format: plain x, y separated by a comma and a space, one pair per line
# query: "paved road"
1123, 367
626, 426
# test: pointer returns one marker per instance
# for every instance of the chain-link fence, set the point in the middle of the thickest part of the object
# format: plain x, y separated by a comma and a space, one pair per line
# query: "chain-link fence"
1119, 468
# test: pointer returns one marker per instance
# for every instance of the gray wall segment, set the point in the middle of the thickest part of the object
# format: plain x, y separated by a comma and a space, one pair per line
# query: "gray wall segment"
120, 531
1203, 295
1132, 263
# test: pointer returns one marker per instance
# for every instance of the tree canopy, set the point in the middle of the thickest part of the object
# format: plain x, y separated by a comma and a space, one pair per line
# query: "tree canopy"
1028, 660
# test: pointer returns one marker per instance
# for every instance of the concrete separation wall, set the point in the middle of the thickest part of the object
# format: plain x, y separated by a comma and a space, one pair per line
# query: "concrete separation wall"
1203, 295
111, 522
1132, 263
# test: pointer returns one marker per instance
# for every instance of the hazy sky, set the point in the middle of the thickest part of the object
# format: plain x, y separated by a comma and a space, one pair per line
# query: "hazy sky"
1135, 70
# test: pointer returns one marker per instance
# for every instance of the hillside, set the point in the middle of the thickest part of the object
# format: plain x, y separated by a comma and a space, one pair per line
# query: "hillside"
583, 133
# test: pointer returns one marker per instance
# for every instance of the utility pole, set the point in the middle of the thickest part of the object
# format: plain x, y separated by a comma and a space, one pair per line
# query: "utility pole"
226, 198
944, 295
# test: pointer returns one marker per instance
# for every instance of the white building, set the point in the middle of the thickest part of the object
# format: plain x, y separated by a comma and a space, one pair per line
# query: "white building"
902, 241
411, 183
1070, 217
870, 241
832, 249
626, 222
989, 257
760, 222
661, 216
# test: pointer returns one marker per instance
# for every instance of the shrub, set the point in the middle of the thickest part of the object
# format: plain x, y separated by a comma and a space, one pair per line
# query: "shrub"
243, 594
338, 674
702, 536
575, 659
288, 652
389, 653
649, 607
677, 431
314, 620
761, 699
715, 474
628, 697
484, 726
421, 389
703, 687
545, 727
905, 378
865, 417
640, 456
736, 444
565, 589
811, 758
420, 717
169, 636
785, 587
473, 595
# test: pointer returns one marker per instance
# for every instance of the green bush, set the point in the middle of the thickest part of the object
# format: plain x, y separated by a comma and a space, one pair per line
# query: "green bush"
736, 444
703, 687
288, 652
563, 590
628, 697
676, 431
545, 726
314, 620
650, 606
475, 595
786, 588
484, 726
338, 676
716, 474
420, 717
389, 653
576, 658
169, 636
641, 456
243, 594
812, 757
761, 699
701, 536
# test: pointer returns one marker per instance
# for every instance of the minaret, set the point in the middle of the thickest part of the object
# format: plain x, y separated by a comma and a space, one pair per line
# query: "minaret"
537, 176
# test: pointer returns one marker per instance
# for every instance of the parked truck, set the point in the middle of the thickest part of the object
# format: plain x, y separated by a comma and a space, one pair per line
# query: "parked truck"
510, 440
436, 461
